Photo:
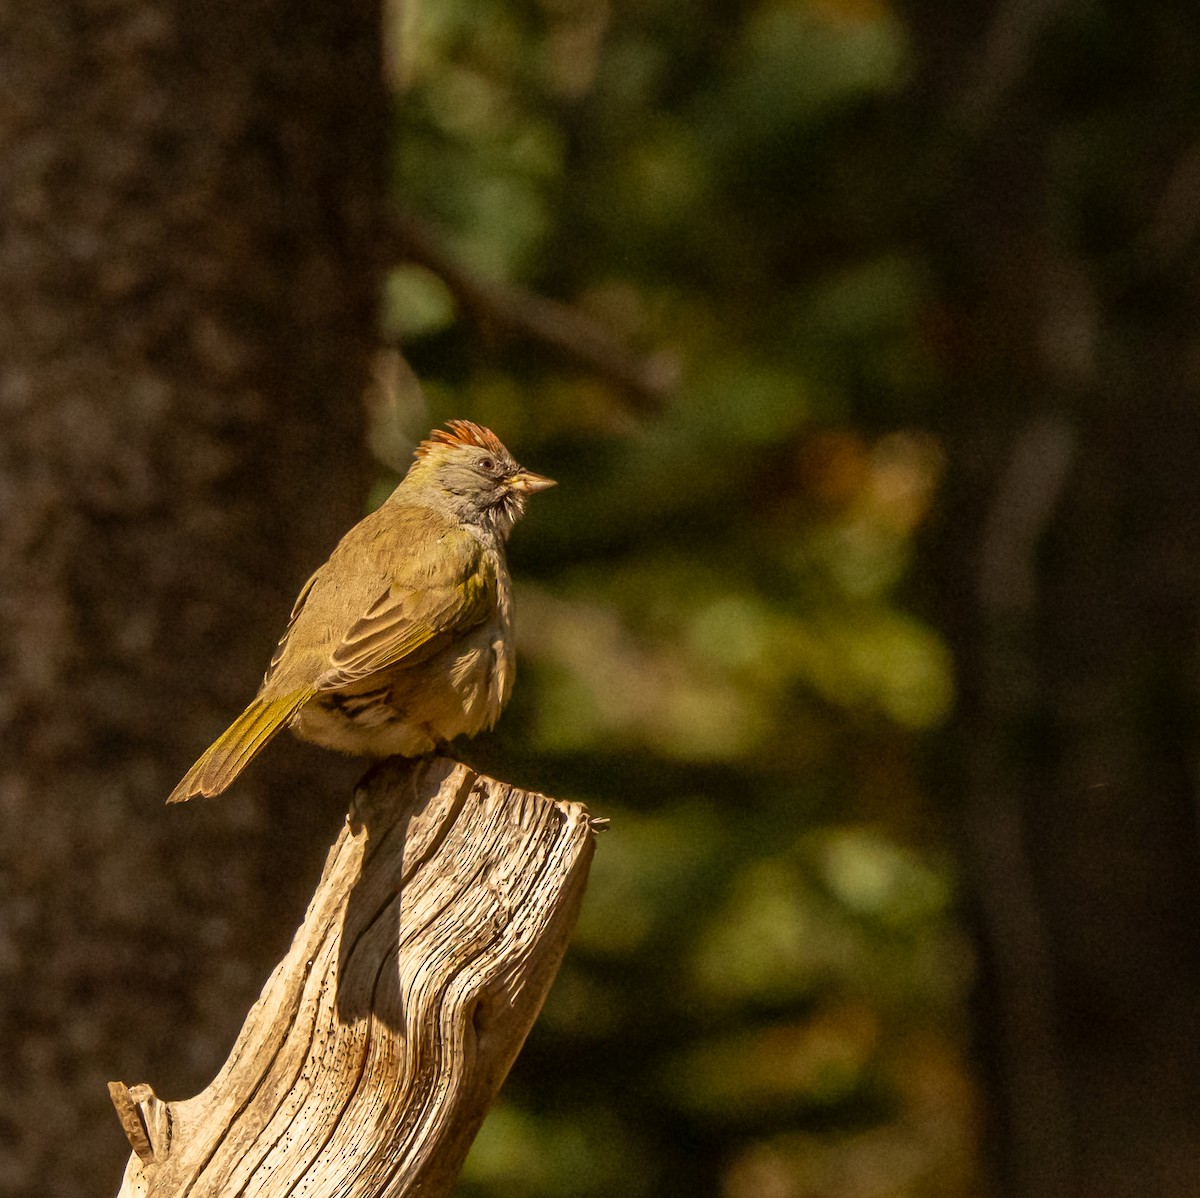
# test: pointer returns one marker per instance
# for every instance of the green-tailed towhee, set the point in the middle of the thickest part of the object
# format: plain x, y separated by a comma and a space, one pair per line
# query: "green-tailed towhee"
402, 640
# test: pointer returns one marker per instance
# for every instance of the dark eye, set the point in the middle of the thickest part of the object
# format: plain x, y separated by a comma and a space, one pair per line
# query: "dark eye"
488, 465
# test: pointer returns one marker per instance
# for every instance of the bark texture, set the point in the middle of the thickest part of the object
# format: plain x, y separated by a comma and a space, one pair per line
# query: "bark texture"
188, 209
1070, 577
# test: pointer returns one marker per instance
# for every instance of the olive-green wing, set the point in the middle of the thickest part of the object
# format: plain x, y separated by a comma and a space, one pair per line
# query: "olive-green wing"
423, 608
297, 607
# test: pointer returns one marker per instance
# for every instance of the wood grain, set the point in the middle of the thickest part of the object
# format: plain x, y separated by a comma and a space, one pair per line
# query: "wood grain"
378, 1043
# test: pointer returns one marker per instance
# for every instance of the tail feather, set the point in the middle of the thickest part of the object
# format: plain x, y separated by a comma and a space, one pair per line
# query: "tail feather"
237, 746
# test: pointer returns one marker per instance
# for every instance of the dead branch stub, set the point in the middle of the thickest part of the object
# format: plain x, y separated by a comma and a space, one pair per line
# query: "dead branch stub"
368, 1062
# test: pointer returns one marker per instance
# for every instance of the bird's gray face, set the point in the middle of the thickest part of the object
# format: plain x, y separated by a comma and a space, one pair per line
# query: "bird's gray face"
490, 487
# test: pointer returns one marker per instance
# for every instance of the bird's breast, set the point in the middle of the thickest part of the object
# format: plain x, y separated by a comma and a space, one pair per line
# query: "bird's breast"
414, 709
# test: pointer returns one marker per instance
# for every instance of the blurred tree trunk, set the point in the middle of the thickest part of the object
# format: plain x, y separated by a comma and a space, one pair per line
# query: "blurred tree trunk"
188, 207
1070, 570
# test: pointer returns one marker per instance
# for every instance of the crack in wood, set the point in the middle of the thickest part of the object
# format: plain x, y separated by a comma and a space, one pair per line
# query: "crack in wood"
368, 1062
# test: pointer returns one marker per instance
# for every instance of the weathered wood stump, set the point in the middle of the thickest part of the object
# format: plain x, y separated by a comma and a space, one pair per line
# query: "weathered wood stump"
367, 1065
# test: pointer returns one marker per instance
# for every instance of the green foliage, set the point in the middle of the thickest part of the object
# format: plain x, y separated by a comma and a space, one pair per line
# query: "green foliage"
765, 992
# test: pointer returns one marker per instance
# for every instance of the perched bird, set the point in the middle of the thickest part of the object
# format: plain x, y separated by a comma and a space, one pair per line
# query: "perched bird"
402, 640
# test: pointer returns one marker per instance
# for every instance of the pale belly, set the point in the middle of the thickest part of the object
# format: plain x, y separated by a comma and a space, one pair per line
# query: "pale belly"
409, 712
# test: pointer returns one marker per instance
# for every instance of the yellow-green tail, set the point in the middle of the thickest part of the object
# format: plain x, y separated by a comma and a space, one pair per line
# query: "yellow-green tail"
237, 746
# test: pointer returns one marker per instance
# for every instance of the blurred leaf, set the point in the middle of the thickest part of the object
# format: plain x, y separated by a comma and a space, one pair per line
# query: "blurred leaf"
583, 1154
415, 303
820, 1061
876, 877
